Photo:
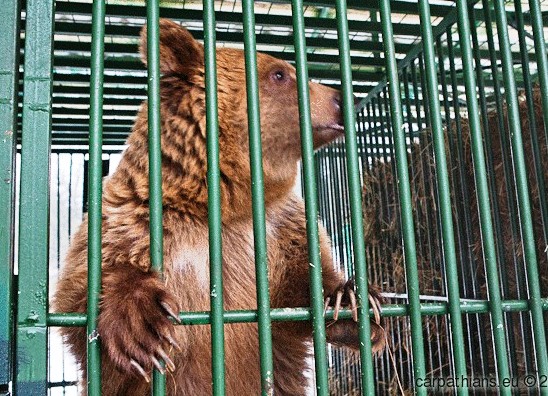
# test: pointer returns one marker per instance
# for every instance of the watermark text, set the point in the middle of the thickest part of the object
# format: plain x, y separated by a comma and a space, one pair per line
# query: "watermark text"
529, 381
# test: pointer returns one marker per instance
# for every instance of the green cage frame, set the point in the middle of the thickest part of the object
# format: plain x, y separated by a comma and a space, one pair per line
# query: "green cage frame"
24, 316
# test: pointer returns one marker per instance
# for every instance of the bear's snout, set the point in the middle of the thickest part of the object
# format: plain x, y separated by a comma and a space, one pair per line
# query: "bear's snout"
337, 101
338, 105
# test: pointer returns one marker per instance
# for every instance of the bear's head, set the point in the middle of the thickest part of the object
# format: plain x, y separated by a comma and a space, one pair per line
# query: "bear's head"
183, 101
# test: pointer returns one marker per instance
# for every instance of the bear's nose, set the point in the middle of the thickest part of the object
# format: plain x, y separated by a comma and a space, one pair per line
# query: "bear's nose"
337, 100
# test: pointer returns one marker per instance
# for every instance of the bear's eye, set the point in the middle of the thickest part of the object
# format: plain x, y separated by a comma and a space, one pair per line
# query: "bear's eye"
279, 75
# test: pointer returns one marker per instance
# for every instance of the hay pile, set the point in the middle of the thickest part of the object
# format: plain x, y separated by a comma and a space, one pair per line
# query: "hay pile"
381, 215
383, 234
385, 254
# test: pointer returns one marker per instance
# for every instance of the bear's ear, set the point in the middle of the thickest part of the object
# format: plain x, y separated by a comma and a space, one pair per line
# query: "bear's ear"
180, 53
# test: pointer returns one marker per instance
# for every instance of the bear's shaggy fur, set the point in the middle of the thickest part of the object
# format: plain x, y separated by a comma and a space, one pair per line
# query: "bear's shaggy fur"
134, 323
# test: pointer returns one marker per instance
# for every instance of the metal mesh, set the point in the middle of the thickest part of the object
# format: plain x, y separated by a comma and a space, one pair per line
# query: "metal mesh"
450, 162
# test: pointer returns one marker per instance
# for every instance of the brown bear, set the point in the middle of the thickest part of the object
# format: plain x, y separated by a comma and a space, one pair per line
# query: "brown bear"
137, 308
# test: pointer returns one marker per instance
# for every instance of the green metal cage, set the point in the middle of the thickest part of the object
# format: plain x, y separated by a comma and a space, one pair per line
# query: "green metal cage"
437, 194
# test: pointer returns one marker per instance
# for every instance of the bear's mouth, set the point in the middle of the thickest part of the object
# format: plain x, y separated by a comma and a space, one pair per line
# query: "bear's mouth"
331, 127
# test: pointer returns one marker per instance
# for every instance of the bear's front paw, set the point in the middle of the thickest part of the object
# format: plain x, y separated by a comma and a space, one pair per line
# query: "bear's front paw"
346, 332
135, 323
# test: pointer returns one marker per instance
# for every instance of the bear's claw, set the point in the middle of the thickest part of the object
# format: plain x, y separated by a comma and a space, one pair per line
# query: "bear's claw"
170, 311
375, 303
157, 364
347, 291
169, 363
140, 370
172, 342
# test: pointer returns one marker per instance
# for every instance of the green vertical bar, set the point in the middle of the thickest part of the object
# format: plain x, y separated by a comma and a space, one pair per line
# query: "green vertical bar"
470, 286
154, 133
497, 319
214, 204
31, 342
493, 188
95, 197
540, 176
452, 159
504, 144
9, 81
355, 198
155, 157
311, 201
400, 147
527, 343
522, 189
540, 50
448, 237
410, 132
259, 224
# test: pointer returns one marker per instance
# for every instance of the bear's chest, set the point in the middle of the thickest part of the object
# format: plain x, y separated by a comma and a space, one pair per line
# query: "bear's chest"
192, 261
189, 266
